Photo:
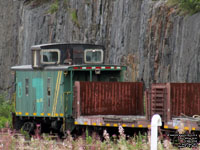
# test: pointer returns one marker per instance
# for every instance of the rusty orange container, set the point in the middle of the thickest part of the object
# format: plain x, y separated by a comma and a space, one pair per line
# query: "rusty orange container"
185, 99
173, 100
108, 98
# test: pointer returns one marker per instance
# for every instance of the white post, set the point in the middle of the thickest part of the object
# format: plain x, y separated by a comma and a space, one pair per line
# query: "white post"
155, 122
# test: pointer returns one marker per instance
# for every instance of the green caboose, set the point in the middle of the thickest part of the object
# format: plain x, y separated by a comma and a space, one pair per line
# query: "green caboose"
44, 89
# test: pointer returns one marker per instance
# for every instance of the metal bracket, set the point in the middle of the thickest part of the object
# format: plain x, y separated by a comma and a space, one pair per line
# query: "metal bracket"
68, 92
65, 73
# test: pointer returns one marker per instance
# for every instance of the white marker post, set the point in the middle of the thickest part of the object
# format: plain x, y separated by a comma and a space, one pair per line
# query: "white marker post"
155, 122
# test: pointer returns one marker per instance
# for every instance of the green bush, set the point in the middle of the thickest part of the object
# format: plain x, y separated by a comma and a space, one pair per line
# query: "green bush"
6, 108
54, 7
190, 6
74, 17
187, 6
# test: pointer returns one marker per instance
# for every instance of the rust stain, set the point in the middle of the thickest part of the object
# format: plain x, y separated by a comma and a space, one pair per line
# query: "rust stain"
131, 61
158, 31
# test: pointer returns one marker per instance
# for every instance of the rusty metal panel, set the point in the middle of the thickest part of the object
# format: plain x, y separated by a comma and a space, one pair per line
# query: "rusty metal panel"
147, 104
185, 99
173, 99
156, 101
111, 98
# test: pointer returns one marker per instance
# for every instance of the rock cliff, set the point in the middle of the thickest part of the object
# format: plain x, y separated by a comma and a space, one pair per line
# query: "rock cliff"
153, 40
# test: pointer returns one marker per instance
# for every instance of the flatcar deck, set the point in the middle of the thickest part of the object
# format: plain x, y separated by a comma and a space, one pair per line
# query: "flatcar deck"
113, 121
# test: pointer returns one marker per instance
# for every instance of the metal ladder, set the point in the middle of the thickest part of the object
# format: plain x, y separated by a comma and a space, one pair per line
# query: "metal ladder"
158, 101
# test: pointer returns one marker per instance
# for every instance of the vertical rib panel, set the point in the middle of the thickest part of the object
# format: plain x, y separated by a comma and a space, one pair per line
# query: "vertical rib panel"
185, 99
111, 98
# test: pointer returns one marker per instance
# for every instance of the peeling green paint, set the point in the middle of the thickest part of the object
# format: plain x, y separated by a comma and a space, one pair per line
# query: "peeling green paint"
19, 89
38, 85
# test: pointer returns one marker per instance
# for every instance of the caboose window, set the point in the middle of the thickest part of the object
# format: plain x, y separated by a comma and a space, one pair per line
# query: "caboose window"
50, 56
93, 56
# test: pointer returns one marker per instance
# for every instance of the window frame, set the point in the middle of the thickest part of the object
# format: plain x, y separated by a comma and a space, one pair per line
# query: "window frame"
91, 50
49, 50
35, 63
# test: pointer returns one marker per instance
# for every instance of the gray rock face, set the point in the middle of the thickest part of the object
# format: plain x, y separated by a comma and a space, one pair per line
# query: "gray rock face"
151, 39
169, 45
9, 51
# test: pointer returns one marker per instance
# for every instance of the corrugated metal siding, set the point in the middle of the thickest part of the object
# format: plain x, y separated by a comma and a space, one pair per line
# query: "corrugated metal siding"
37, 101
185, 99
180, 99
111, 98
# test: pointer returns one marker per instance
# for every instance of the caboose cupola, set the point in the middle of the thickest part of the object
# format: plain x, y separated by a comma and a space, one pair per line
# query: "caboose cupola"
66, 54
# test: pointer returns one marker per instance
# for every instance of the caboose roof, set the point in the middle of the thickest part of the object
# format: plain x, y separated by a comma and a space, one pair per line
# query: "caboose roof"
41, 46
61, 67
29, 67
23, 67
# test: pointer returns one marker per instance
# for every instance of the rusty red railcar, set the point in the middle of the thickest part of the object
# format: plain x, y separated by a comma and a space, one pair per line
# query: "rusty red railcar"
185, 99
173, 99
110, 98
176, 103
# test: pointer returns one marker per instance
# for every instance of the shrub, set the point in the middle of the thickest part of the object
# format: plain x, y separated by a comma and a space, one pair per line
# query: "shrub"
187, 6
190, 6
54, 7
74, 17
6, 108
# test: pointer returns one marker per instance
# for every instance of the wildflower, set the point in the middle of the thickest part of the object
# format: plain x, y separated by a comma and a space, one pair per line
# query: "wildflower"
121, 132
149, 137
114, 136
81, 148
167, 144
143, 140
106, 135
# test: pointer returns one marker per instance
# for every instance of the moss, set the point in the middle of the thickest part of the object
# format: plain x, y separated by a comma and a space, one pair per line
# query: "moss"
66, 5
35, 3
88, 2
74, 17
54, 7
